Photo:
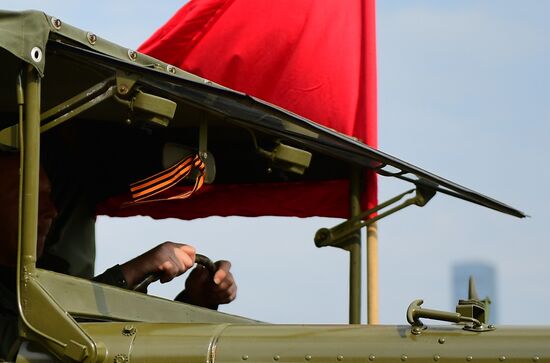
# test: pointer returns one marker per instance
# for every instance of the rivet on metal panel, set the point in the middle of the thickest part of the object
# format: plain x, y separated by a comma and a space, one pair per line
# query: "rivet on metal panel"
92, 38
121, 358
535, 359
502, 358
171, 69
207, 82
372, 357
56, 23
36, 54
469, 358
404, 357
122, 89
441, 340
340, 357
307, 357
128, 330
132, 54
437, 357
276, 357
244, 357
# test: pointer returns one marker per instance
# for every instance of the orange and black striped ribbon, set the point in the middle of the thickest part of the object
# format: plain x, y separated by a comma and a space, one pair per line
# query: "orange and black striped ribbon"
144, 190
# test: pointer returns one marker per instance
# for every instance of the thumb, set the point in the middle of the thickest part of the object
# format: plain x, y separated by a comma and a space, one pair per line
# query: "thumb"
222, 272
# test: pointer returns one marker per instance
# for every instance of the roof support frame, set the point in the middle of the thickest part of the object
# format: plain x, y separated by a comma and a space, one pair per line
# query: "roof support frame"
77, 104
60, 332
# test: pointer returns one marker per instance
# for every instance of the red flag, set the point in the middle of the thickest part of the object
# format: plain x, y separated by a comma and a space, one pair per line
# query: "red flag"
314, 58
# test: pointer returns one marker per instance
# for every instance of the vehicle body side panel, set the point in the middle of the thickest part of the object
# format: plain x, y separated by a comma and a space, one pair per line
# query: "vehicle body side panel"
230, 343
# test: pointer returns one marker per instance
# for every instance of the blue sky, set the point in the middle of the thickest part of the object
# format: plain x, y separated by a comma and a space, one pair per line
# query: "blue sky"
463, 92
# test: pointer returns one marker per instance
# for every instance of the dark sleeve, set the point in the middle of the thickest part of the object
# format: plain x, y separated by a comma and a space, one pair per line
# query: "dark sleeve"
113, 277
8, 334
8, 318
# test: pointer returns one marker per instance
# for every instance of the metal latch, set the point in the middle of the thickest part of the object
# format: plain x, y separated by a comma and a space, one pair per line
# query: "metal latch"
415, 312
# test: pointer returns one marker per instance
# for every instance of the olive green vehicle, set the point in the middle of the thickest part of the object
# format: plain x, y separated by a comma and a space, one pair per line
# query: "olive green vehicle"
53, 74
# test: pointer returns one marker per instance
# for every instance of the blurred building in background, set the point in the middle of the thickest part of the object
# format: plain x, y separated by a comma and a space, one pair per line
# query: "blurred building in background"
485, 277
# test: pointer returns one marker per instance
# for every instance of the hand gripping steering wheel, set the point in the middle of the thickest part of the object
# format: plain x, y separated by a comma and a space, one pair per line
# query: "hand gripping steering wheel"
199, 260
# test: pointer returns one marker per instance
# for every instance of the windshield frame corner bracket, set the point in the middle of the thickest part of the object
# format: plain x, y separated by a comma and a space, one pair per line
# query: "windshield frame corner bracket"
343, 234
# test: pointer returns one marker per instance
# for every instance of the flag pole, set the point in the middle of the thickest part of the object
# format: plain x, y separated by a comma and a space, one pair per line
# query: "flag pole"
355, 249
372, 274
